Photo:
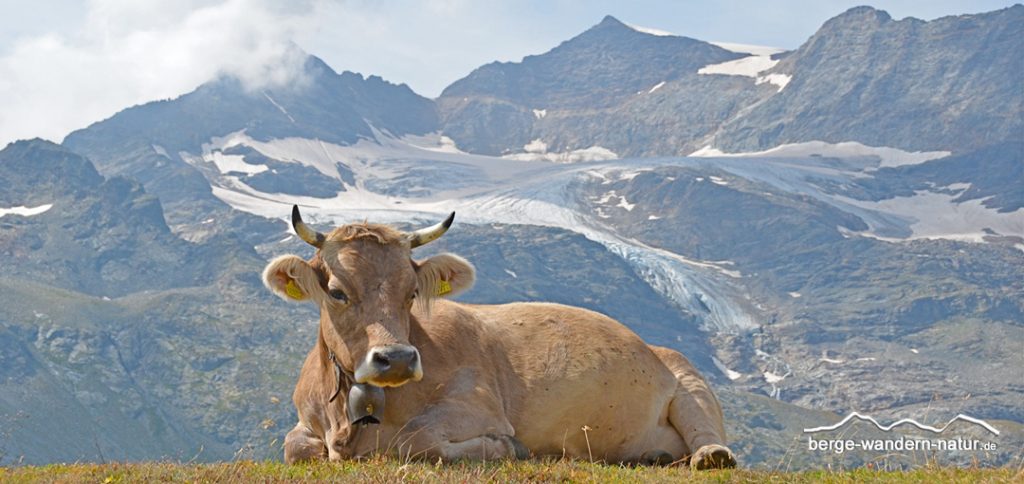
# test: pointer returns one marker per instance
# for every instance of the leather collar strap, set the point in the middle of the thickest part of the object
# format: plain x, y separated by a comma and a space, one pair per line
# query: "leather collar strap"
339, 372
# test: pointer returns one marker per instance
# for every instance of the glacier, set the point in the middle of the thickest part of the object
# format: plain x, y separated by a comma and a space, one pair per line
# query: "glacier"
422, 178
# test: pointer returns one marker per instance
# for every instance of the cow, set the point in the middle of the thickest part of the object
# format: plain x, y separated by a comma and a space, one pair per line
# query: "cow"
400, 369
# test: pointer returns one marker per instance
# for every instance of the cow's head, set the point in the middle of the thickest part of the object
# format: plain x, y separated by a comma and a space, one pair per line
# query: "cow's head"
366, 283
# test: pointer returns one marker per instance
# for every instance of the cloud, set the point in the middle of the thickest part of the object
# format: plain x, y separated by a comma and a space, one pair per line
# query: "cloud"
129, 52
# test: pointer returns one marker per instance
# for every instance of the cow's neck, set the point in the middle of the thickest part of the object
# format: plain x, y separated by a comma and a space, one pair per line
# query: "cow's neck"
337, 382
334, 376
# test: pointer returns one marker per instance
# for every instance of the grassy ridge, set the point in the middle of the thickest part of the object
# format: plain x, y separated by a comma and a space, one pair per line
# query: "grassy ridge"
391, 470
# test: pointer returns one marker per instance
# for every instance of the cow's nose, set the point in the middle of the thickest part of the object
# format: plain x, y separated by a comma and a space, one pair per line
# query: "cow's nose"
393, 358
390, 365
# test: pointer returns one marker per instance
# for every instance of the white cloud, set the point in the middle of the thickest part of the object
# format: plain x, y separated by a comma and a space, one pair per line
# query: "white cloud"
129, 52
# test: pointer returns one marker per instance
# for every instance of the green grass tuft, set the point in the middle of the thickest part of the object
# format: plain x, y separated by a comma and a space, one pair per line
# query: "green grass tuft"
392, 470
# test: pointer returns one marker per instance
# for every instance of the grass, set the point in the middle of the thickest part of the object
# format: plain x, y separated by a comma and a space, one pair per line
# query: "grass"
392, 470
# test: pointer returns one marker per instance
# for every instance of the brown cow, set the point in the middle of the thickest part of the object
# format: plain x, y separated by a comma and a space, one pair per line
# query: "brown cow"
475, 381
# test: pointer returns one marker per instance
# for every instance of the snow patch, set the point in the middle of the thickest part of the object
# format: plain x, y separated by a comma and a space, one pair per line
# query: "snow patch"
653, 217
540, 113
650, 31
718, 180
730, 374
278, 106
749, 66
536, 147
25, 211
233, 163
937, 216
437, 143
795, 295
774, 378
914, 351
161, 151
621, 175
511, 273
759, 60
847, 149
656, 87
781, 80
830, 360
539, 153
748, 49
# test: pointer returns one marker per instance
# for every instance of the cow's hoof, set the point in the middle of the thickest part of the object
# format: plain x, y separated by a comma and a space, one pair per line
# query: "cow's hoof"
656, 458
519, 451
522, 453
712, 457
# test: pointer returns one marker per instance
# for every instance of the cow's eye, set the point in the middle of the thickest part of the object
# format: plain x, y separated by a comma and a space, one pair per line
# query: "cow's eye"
338, 294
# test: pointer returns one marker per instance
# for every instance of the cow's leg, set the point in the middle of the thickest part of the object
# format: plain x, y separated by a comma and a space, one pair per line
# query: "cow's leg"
461, 427
696, 414
302, 445
484, 447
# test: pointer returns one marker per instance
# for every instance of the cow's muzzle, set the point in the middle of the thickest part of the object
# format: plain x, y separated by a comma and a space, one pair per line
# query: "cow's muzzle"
390, 366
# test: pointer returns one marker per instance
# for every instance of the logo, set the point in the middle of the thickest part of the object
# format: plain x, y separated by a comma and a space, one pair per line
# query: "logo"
901, 443
906, 421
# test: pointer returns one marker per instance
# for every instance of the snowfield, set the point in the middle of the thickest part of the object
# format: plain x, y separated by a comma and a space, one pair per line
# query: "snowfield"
848, 149
759, 60
650, 31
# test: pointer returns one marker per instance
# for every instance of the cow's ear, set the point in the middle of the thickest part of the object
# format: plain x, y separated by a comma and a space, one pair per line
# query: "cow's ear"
445, 275
292, 278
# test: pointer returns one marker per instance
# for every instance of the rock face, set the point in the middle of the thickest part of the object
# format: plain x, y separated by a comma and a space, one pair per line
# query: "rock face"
585, 92
949, 84
104, 237
501, 107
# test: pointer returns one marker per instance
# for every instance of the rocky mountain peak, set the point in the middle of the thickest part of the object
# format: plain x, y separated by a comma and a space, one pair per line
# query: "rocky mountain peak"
37, 166
609, 21
860, 15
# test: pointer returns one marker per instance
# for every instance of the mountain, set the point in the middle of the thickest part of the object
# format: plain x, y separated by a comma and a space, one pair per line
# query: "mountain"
147, 142
100, 236
805, 280
568, 96
597, 68
950, 84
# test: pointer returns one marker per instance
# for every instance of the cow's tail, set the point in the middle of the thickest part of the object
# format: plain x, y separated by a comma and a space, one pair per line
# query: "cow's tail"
696, 414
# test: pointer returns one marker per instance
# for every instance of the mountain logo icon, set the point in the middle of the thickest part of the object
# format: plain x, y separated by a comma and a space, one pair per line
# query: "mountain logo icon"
906, 421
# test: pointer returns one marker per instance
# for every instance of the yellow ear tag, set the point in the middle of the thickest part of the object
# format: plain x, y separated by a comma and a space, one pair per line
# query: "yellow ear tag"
443, 287
293, 291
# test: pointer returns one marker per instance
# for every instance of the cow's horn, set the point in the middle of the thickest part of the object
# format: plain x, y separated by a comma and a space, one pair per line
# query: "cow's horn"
426, 235
312, 237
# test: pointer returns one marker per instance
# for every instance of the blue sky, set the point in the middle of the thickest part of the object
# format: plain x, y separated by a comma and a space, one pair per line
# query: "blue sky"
66, 63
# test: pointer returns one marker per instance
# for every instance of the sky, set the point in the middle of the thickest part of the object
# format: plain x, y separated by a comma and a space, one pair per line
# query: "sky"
65, 64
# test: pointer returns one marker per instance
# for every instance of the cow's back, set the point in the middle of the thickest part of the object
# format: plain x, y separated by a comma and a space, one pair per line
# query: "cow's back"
562, 368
